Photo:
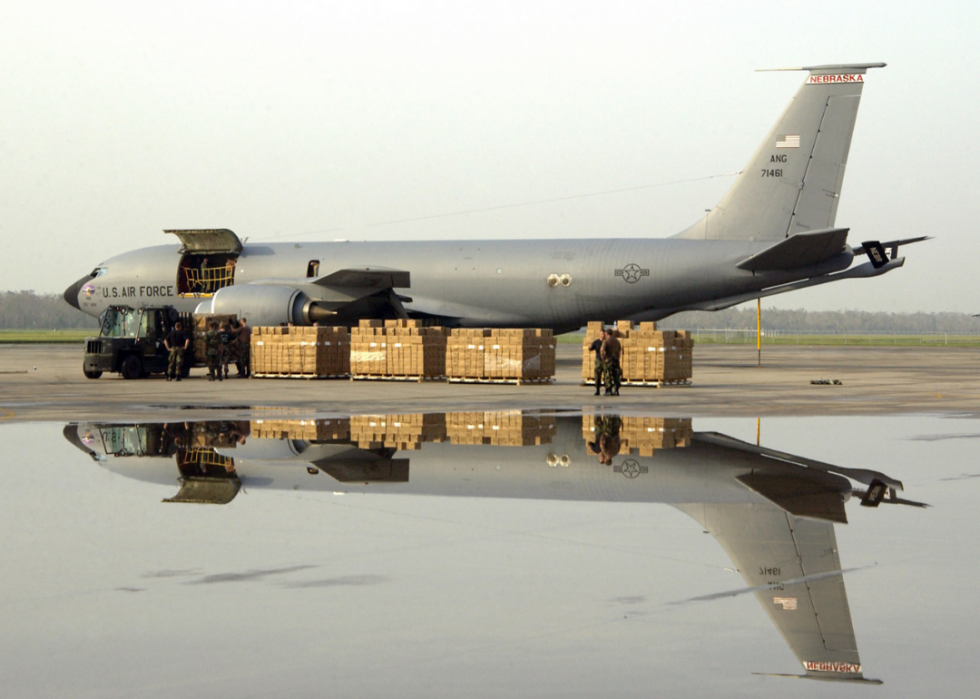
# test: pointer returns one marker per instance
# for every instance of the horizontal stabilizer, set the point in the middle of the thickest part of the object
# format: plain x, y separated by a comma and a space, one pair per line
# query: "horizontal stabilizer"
814, 495
893, 245
799, 250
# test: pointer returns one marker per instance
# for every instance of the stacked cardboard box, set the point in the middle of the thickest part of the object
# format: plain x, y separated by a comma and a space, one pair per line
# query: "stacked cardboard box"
201, 322
648, 355
511, 428
413, 350
644, 435
526, 354
404, 432
333, 429
369, 349
301, 351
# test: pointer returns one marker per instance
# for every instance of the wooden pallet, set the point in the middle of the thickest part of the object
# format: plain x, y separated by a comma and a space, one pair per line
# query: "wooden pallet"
299, 376
389, 377
512, 382
652, 383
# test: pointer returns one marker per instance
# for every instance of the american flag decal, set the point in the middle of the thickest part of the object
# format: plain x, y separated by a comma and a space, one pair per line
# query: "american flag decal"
789, 141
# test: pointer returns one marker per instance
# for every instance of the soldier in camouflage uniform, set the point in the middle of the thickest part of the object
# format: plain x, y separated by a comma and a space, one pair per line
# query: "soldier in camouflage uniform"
244, 333
177, 343
610, 351
225, 338
596, 347
212, 351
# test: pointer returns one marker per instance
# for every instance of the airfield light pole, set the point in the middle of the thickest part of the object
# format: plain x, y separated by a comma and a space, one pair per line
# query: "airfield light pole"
758, 329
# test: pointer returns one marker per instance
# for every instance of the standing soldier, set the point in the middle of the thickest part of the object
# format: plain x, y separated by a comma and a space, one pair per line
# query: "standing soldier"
244, 349
176, 343
610, 351
212, 351
596, 347
225, 338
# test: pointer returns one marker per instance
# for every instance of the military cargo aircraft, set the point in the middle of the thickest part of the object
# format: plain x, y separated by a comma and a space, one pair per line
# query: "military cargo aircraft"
773, 513
774, 231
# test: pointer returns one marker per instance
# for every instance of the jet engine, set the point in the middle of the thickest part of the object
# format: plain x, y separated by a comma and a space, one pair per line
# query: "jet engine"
265, 305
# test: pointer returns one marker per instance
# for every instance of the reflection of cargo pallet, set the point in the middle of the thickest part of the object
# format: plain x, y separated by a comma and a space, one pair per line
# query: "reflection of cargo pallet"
512, 382
650, 383
390, 377
299, 376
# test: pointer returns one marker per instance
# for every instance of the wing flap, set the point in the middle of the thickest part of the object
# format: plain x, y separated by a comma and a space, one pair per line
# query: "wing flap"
377, 278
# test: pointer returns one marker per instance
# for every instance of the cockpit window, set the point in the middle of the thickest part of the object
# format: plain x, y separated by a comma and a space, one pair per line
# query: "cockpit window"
99, 271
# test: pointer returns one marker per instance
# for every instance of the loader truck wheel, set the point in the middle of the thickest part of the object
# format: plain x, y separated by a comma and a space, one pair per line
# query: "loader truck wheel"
132, 367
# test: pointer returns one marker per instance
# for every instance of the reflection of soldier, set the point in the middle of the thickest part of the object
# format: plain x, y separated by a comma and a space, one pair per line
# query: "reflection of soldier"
176, 343
212, 351
596, 346
610, 351
244, 349
607, 443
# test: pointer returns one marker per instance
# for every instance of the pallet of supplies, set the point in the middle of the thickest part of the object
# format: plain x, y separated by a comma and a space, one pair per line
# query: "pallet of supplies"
304, 352
501, 355
368, 349
398, 349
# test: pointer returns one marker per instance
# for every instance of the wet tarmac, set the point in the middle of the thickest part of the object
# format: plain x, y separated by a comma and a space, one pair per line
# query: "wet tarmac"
875, 380
311, 550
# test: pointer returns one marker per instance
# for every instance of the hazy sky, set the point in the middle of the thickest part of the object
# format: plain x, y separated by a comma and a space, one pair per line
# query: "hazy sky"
312, 120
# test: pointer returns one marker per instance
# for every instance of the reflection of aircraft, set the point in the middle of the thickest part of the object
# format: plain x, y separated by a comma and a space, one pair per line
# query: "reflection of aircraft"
772, 512
774, 231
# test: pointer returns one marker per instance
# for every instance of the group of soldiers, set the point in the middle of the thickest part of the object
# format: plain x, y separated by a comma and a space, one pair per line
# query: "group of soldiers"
607, 351
227, 343
230, 342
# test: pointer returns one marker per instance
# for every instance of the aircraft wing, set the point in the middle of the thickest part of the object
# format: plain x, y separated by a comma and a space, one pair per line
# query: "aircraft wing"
772, 548
342, 296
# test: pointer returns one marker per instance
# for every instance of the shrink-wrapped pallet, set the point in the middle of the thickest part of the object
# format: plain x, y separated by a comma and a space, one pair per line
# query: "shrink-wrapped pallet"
516, 355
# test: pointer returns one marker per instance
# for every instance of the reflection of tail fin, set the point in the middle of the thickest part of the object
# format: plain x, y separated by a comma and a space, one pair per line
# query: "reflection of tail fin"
776, 551
793, 181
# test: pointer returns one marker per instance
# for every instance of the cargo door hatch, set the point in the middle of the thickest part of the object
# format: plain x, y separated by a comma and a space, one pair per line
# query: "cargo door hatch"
208, 240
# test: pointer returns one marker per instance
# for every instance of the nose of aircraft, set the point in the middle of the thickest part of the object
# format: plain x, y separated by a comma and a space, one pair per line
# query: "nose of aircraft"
71, 293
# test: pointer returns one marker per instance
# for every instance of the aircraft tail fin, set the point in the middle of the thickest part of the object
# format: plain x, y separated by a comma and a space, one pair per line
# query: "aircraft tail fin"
793, 181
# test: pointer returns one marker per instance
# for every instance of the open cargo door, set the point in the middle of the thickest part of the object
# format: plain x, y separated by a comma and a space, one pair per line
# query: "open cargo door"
208, 240
207, 491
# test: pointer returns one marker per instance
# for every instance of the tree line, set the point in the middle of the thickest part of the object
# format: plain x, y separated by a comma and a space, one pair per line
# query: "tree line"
27, 310
23, 310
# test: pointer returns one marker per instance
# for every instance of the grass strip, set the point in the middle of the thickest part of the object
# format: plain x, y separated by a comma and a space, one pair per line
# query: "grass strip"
29, 337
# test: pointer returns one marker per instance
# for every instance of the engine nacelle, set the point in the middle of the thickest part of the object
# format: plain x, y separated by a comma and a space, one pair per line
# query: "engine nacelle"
262, 305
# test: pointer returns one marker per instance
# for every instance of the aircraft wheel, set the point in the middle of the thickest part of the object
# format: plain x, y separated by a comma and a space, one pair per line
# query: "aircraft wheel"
91, 374
132, 367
